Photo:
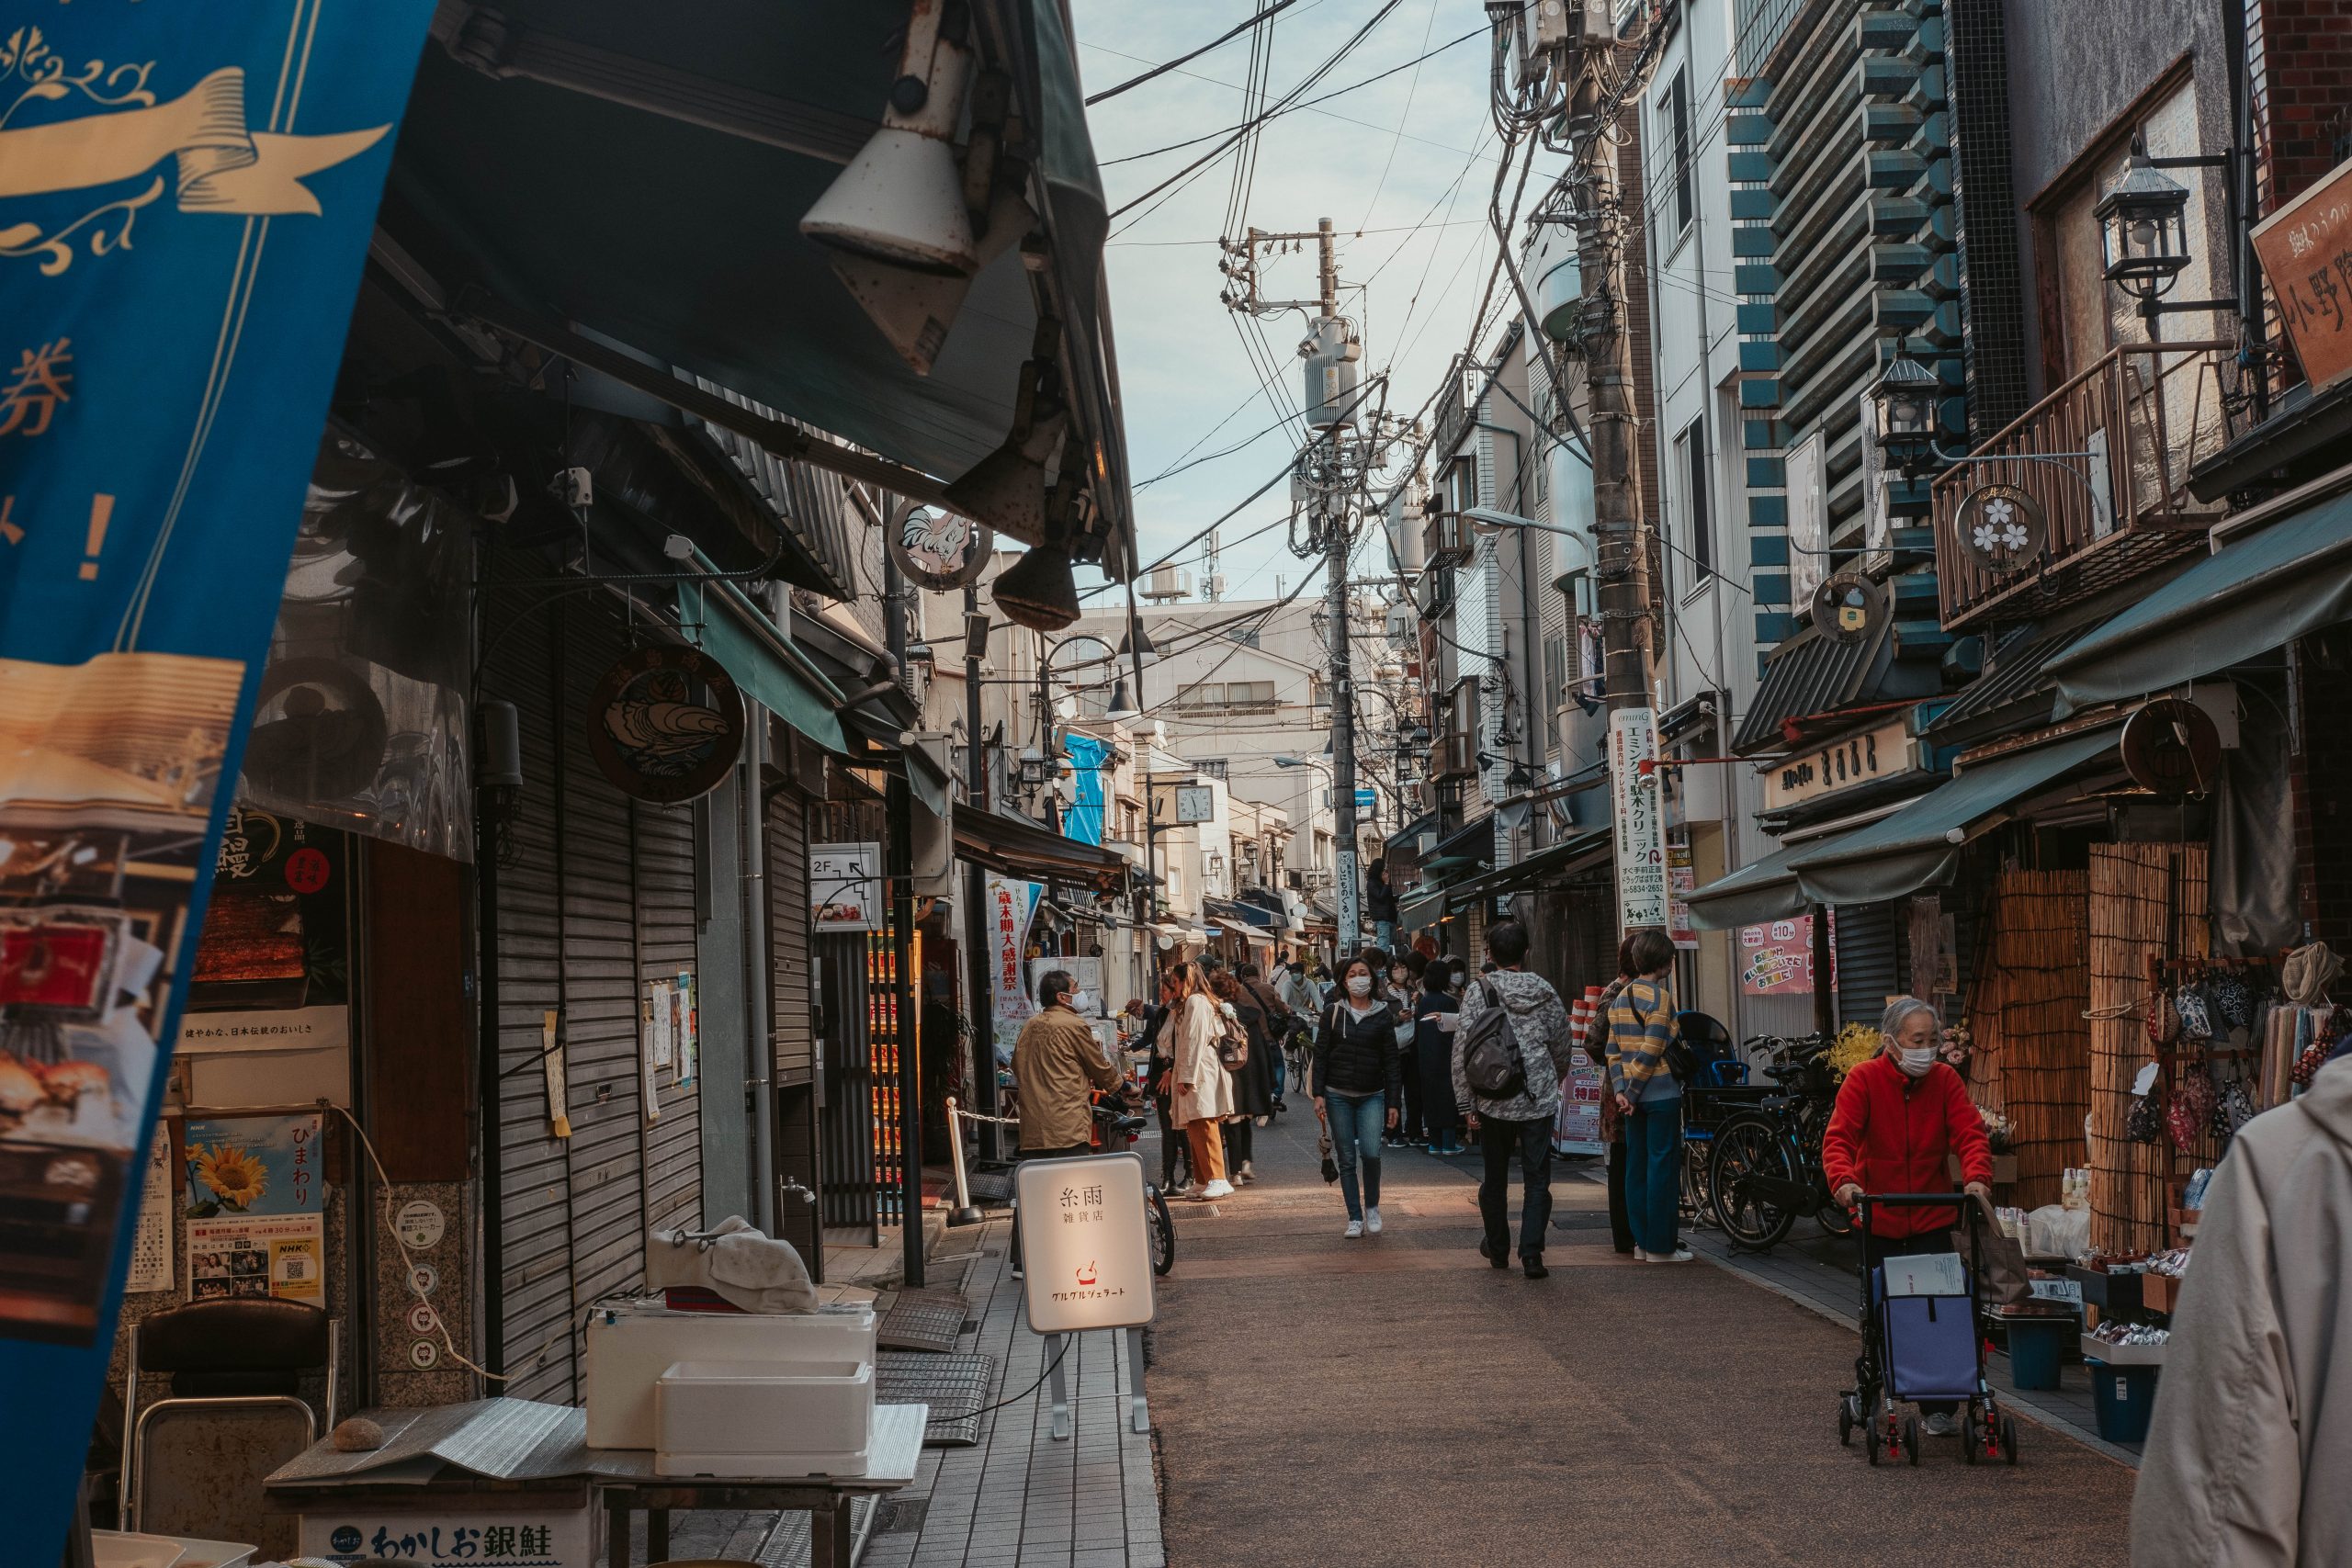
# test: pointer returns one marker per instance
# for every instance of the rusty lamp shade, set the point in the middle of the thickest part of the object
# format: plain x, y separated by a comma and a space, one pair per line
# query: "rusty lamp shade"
1039, 590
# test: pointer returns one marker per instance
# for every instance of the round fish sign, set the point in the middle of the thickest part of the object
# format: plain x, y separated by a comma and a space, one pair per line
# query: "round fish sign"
938, 548
666, 724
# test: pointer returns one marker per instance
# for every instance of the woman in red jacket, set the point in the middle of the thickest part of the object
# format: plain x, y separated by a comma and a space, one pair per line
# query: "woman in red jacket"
1899, 1115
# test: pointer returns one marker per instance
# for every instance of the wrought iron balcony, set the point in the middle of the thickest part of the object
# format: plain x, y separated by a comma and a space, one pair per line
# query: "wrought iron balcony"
2107, 457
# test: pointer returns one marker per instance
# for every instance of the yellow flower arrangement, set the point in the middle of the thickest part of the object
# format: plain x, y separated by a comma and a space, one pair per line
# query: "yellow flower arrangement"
233, 1174
1856, 1043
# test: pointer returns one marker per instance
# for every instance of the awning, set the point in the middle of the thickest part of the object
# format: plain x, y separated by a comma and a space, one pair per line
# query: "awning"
1018, 847
1407, 839
1811, 673
1763, 890
1417, 910
1919, 845
1243, 930
1589, 848
2255, 594
1472, 844
2015, 678
572, 166
768, 668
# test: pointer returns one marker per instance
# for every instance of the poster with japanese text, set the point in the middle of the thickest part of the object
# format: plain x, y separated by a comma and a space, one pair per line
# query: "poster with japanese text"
256, 1208
186, 197
1776, 958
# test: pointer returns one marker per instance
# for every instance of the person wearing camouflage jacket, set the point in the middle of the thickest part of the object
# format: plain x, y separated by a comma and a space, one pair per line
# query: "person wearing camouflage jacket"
1520, 1125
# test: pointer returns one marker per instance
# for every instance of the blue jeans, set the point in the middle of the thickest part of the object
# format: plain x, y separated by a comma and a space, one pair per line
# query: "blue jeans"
1384, 934
1654, 1173
1355, 1125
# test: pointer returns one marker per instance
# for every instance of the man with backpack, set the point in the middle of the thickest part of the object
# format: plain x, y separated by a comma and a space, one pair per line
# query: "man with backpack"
1510, 1053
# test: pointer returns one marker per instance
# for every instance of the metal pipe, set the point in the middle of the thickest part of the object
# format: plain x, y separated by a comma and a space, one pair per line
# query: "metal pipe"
760, 1045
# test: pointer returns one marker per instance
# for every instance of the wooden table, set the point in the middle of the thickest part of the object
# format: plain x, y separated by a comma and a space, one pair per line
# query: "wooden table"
896, 1451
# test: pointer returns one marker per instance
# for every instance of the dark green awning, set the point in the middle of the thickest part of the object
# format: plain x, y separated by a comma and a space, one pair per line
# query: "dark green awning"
761, 662
1763, 890
2250, 596
1590, 846
1919, 845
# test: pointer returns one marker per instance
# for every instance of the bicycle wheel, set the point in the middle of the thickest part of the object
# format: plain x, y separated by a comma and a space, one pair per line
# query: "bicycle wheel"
1697, 1206
1163, 1235
1834, 1219
1747, 1149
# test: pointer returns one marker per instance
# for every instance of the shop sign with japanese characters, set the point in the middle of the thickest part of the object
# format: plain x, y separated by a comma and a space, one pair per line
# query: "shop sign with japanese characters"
1086, 1257
450, 1537
1642, 891
1885, 752
2306, 251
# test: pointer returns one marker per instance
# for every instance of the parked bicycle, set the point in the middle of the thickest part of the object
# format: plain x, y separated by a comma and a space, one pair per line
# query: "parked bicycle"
1116, 1126
1764, 1167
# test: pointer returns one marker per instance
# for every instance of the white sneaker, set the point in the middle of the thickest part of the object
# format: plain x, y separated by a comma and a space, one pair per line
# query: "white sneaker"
1219, 1189
1939, 1426
1372, 1222
1641, 1256
1355, 1229
1680, 1254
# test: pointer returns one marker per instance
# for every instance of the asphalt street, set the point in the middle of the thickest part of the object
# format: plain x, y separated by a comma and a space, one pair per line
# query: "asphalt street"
1394, 1400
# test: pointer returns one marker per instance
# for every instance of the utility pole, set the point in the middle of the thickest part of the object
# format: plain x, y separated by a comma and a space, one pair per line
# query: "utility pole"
1622, 553
1328, 482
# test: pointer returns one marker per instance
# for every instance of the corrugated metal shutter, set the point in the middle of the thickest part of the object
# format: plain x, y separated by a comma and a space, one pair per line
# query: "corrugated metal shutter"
849, 1191
1869, 938
609, 1133
665, 950
596, 895
793, 999
534, 1201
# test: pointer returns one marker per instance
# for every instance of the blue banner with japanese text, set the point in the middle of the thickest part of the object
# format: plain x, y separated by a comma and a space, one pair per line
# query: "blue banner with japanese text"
187, 195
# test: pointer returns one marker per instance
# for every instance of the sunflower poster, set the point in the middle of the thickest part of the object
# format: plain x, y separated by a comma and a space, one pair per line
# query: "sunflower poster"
255, 1209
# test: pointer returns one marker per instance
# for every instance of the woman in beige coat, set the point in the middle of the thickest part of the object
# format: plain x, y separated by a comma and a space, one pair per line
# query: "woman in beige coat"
1203, 1093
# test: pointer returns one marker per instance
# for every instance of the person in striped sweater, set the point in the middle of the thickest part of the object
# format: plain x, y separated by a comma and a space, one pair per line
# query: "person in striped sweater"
1640, 1026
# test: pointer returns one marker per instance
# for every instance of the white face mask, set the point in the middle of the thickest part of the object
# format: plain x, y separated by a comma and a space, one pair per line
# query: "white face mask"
1915, 1060
1359, 985
1079, 1001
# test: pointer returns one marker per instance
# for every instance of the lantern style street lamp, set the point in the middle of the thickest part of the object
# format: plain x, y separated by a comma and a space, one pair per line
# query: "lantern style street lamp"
2143, 228
1904, 406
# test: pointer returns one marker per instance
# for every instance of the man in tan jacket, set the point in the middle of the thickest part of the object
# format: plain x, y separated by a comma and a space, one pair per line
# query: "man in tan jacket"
1056, 1063
1057, 1060
2251, 1447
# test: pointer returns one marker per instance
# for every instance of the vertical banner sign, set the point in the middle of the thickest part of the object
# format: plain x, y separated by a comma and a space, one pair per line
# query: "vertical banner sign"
1634, 792
1011, 906
186, 194
1088, 757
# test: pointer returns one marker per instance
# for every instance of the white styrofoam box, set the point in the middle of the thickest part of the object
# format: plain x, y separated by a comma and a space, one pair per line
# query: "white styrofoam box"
631, 1344
128, 1549
764, 1418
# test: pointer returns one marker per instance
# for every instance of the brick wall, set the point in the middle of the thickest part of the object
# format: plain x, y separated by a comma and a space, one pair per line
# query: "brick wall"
2300, 58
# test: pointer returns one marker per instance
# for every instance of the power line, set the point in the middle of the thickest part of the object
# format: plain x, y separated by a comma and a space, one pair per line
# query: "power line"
1283, 103
1411, 89
1227, 36
1311, 103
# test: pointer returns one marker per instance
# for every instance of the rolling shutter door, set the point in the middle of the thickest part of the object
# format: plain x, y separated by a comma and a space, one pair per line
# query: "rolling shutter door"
665, 950
792, 998
534, 1196
1869, 936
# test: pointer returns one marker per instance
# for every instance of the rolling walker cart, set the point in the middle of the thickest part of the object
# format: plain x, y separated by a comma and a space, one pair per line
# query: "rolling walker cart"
1924, 1341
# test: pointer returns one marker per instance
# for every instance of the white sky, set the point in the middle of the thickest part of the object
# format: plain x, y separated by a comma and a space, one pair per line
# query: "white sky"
1379, 159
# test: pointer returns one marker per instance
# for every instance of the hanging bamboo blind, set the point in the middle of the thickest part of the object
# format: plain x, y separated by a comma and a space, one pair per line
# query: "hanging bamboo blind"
2032, 1056
2147, 905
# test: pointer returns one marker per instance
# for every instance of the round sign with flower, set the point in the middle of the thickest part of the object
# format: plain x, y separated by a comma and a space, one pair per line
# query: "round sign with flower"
2001, 527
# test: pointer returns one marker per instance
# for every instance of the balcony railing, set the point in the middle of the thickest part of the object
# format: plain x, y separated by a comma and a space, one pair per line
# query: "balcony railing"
1444, 538
2146, 413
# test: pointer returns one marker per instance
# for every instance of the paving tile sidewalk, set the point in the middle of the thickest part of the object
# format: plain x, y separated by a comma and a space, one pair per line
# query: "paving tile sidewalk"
1817, 1270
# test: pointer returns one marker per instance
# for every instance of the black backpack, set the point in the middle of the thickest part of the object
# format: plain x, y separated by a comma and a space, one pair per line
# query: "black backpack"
1491, 1062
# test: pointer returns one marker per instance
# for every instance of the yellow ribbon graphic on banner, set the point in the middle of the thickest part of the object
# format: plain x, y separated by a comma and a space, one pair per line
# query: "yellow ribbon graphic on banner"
221, 164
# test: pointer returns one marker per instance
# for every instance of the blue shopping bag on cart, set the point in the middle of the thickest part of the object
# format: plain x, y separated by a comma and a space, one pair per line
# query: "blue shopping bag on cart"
1927, 1322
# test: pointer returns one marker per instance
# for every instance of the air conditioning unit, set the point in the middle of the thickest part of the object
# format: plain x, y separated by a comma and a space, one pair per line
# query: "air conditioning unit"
1166, 582
1294, 880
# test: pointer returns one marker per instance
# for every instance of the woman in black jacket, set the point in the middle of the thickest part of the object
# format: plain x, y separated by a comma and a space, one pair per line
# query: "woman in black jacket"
1359, 1077
1253, 1081
1435, 1012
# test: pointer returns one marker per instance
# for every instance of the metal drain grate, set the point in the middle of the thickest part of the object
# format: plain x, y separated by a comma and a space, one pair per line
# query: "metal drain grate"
954, 1386
923, 1320
787, 1544
989, 1186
